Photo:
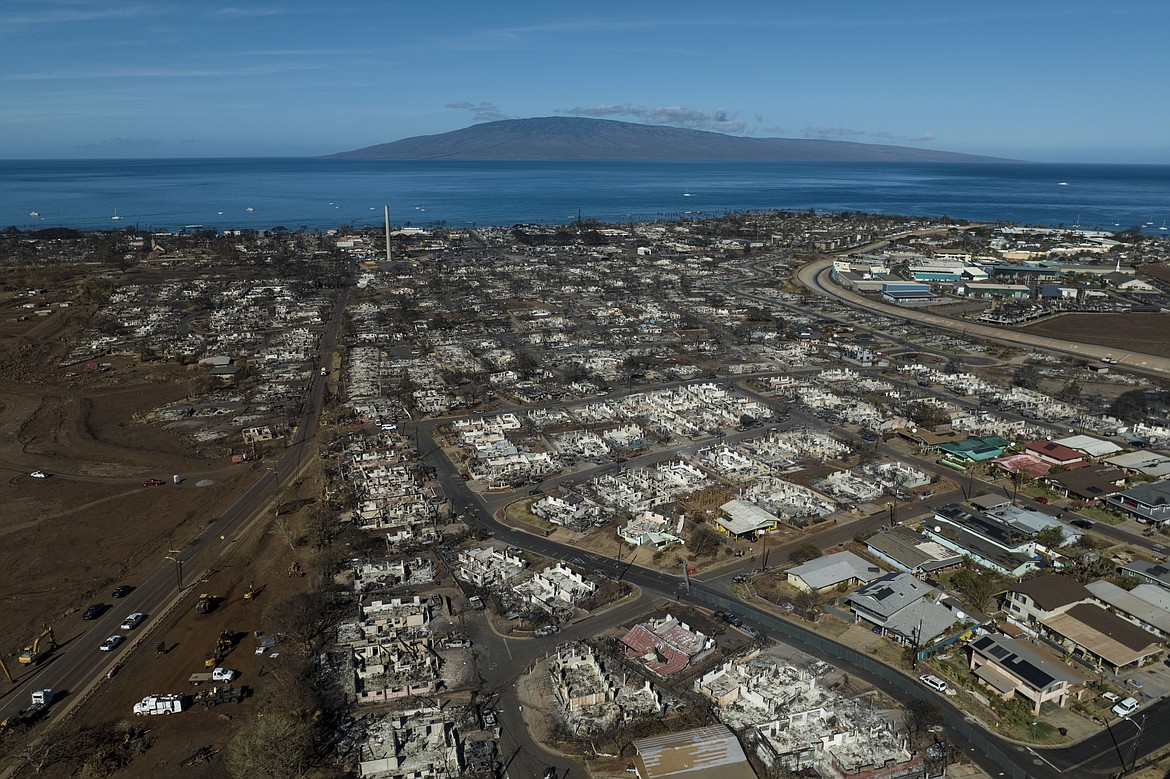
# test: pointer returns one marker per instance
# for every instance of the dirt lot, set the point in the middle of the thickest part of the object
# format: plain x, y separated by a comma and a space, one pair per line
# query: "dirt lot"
1145, 333
66, 540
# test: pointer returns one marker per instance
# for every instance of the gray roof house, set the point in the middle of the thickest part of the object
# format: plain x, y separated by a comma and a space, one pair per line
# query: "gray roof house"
827, 572
1154, 573
905, 609
910, 552
1144, 502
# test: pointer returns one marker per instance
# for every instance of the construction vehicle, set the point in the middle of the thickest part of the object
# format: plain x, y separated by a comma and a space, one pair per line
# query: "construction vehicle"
41, 646
159, 704
223, 645
207, 603
250, 593
39, 704
213, 696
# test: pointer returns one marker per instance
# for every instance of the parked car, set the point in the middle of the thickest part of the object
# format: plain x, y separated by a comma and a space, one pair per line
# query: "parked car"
133, 620
111, 643
1126, 707
1080, 522
39, 475
547, 630
739, 578
751, 630
94, 610
153, 483
1040, 499
933, 682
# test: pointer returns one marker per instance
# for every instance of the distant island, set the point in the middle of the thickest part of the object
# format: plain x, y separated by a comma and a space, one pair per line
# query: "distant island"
573, 138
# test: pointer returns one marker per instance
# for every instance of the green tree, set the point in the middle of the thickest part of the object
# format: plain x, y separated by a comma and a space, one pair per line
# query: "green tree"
978, 588
1051, 536
804, 553
704, 542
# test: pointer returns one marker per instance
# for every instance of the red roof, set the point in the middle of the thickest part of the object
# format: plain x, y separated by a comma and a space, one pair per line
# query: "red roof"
642, 643
1055, 451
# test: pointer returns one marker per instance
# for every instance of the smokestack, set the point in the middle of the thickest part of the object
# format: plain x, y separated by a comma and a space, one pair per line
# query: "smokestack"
387, 233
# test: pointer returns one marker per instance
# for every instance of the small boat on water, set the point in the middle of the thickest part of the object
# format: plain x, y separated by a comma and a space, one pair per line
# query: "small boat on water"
34, 213
115, 217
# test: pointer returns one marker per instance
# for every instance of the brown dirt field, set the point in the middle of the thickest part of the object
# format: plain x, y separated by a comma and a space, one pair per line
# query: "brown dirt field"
262, 560
65, 541
1145, 333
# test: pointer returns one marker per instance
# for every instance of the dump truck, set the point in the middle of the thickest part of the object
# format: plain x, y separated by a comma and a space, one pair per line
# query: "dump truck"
206, 603
40, 648
159, 704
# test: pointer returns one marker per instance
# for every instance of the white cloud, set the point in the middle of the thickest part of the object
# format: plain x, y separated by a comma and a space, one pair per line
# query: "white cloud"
480, 112
719, 120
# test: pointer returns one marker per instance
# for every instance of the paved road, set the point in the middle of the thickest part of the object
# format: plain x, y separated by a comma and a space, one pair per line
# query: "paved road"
814, 276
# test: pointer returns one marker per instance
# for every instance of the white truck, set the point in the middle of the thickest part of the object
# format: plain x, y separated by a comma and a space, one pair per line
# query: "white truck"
214, 675
159, 704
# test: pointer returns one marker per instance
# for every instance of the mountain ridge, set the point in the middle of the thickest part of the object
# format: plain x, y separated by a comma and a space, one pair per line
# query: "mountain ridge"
560, 138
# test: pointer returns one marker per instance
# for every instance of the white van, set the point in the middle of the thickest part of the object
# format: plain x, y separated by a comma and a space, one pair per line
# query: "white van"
1126, 707
933, 682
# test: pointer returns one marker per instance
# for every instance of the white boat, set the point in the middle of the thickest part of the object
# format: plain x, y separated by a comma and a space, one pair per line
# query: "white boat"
686, 194
115, 217
1062, 184
34, 213
249, 209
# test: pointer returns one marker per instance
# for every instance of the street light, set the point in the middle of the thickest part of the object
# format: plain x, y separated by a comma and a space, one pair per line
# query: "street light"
178, 567
1141, 731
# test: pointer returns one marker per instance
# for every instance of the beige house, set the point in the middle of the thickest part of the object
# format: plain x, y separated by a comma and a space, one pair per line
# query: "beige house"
1011, 669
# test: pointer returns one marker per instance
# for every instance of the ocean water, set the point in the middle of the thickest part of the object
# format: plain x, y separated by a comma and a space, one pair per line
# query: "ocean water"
319, 193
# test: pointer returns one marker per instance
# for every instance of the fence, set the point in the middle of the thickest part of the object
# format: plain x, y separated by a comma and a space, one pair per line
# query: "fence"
906, 689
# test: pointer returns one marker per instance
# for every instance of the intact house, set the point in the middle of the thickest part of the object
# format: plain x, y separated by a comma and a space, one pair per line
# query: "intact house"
1092, 483
984, 540
1063, 611
1012, 670
906, 609
1146, 605
743, 519
1054, 453
1149, 503
911, 552
1151, 573
826, 573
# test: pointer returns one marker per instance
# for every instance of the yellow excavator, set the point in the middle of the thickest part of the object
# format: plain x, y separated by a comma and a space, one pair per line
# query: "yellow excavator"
41, 646
223, 645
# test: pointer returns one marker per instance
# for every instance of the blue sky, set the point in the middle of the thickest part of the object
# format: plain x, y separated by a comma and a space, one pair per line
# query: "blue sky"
1046, 81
